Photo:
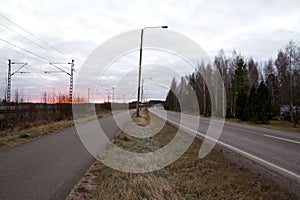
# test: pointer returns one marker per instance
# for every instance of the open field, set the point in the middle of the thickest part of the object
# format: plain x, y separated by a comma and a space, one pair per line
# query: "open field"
30, 121
18, 137
213, 177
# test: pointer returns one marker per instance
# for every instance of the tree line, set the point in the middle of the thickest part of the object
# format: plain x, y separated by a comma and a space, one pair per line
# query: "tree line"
255, 91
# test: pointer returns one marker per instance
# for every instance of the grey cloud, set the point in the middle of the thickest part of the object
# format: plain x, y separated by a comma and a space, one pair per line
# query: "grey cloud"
255, 28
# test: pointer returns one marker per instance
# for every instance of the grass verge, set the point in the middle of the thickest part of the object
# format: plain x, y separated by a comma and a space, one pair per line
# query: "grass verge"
212, 177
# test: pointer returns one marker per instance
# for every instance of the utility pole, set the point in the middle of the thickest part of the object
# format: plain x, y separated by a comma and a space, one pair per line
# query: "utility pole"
71, 82
113, 94
89, 95
10, 74
45, 98
70, 100
140, 67
107, 98
142, 91
143, 88
90, 91
8, 82
124, 96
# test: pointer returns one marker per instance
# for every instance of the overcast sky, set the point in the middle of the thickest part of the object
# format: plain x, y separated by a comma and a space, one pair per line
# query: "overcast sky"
75, 28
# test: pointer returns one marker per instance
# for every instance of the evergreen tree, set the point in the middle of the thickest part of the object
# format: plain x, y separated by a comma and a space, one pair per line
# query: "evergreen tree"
241, 111
251, 104
263, 103
241, 78
241, 87
171, 102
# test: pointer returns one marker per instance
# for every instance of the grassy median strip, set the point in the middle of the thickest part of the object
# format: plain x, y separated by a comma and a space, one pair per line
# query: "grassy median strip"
189, 177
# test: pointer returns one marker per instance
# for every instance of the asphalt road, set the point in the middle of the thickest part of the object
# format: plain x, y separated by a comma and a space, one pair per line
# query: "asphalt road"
47, 167
276, 150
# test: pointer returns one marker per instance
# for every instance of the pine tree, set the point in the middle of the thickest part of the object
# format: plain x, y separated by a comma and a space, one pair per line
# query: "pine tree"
251, 105
171, 102
263, 103
241, 87
241, 78
241, 111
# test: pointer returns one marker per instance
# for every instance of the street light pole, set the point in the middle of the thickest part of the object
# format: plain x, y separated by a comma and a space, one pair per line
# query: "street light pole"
140, 68
142, 95
140, 73
142, 90
113, 94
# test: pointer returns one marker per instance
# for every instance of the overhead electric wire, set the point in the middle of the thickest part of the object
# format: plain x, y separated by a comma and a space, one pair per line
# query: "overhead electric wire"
21, 54
38, 70
58, 81
30, 52
10, 48
38, 45
104, 83
33, 69
14, 49
33, 35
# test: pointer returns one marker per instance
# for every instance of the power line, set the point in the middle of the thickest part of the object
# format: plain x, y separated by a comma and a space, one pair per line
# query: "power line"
34, 69
101, 82
33, 35
17, 52
21, 54
38, 45
30, 52
26, 55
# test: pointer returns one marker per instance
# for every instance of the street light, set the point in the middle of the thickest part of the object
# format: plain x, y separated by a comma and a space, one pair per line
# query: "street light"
113, 93
143, 88
140, 68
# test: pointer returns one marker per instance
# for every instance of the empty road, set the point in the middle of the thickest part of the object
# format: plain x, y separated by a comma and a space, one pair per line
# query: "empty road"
47, 167
277, 150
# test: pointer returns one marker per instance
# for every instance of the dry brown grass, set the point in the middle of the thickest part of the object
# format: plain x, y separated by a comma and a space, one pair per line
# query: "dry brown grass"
144, 118
16, 137
19, 137
213, 177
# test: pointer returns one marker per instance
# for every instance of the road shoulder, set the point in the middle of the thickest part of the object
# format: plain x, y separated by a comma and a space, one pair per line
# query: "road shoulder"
214, 176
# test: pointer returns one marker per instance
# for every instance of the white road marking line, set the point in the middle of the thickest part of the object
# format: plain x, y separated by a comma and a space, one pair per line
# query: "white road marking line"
280, 138
253, 157
208, 122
